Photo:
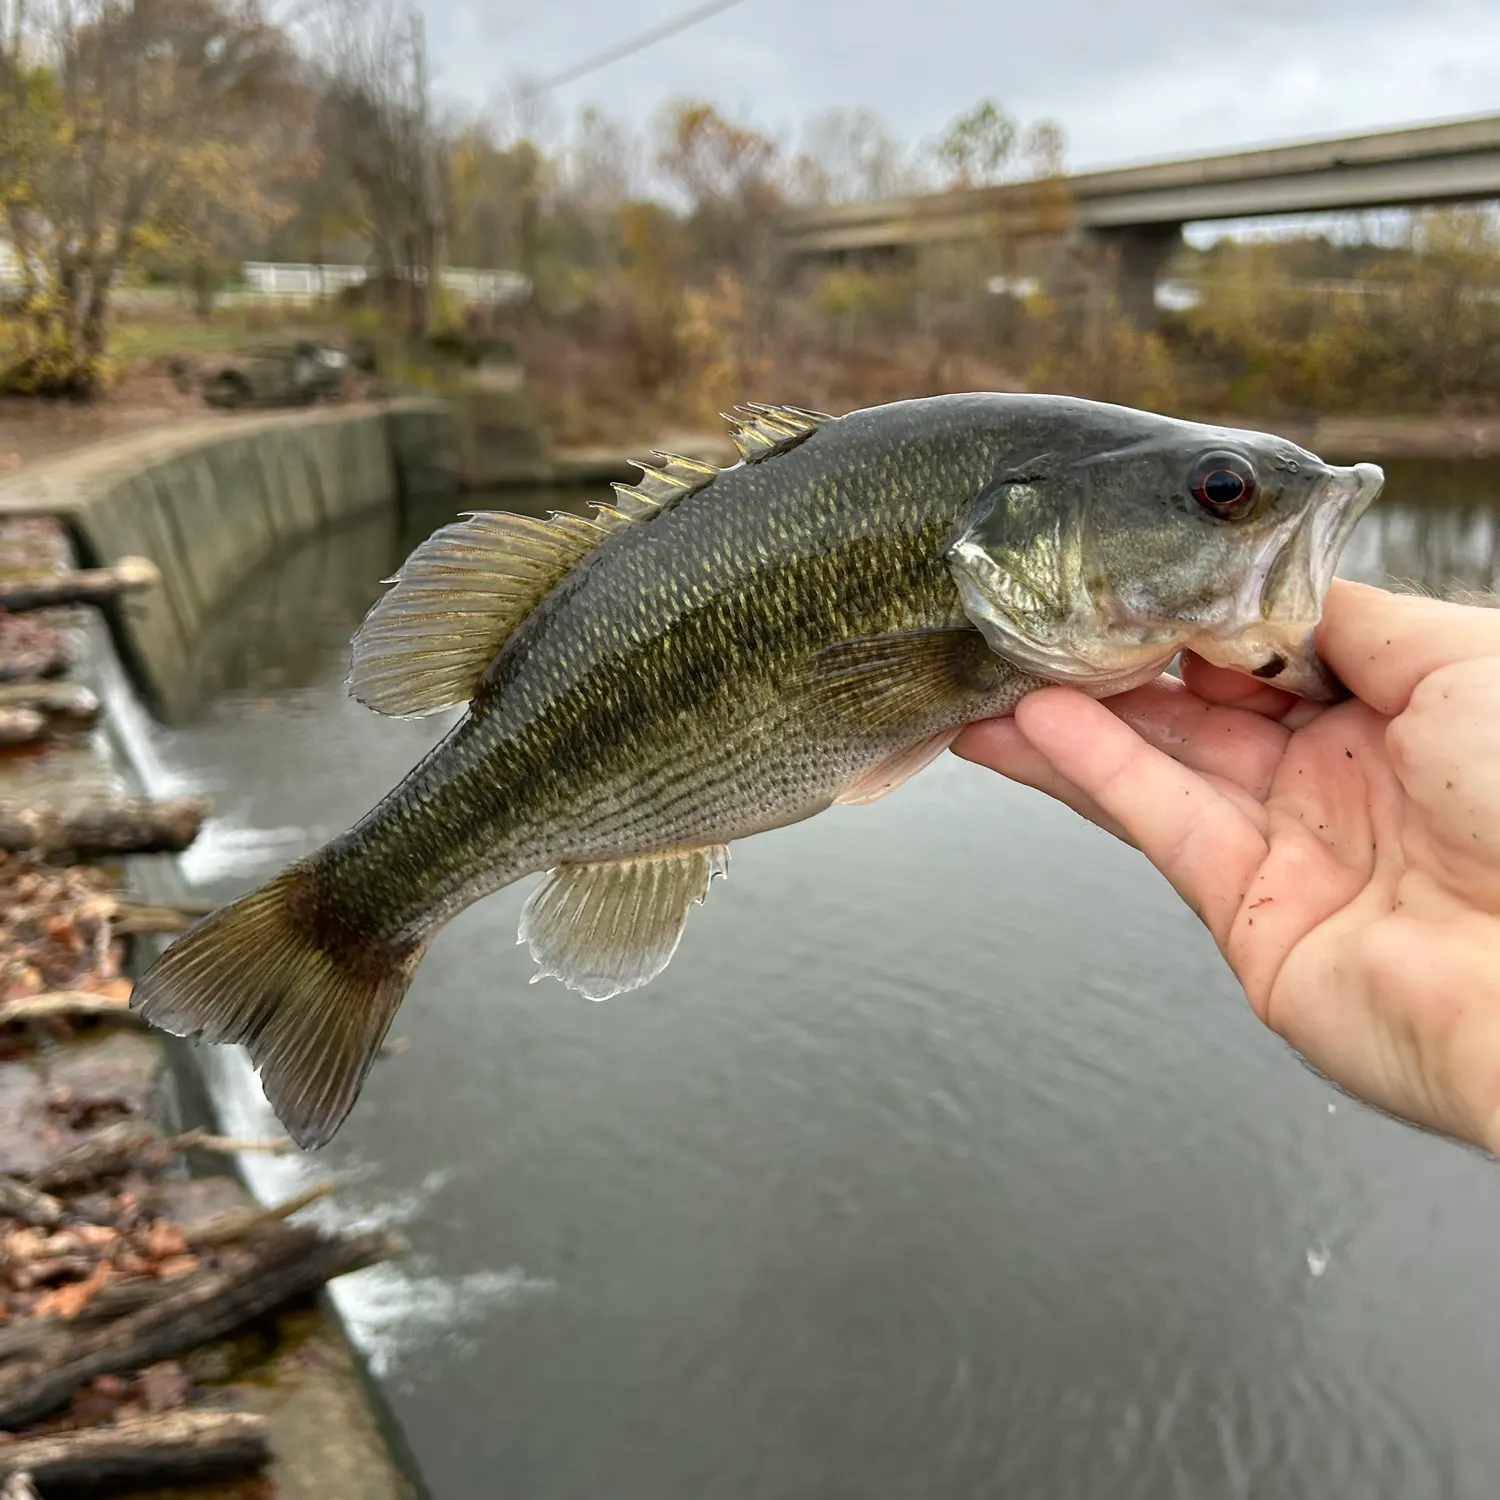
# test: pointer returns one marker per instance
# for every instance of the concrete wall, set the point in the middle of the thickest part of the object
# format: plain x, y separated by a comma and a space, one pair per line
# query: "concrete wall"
209, 501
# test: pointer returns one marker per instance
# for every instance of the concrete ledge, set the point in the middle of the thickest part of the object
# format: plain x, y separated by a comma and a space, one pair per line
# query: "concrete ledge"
332, 1435
208, 501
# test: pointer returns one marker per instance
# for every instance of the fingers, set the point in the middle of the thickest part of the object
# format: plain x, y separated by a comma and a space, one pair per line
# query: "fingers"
1243, 747
1000, 745
1234, 689
1382, 645
1194, 833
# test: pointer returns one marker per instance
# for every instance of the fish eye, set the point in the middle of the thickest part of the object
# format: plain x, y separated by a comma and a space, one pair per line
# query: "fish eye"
1224, 485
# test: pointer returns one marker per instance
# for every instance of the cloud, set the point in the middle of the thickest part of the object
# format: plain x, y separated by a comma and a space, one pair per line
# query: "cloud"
1158, 77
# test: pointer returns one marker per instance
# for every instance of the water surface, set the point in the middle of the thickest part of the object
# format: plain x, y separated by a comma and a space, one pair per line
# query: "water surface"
945, 1161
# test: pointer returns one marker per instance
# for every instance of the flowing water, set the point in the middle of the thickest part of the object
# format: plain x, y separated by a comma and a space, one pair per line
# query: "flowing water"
946, 1161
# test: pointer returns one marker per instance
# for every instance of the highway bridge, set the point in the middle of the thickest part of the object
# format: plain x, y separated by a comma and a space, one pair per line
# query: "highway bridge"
1140, 210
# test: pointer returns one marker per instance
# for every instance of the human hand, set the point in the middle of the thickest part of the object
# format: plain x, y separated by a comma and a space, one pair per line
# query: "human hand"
1345, 858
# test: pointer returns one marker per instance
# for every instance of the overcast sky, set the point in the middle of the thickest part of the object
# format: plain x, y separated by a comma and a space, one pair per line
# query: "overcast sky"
1126, 78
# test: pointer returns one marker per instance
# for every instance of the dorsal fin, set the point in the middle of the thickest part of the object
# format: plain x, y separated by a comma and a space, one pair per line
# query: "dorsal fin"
665, 477
761, 431
457, 598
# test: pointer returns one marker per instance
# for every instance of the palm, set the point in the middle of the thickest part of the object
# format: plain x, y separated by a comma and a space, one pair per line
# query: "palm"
1346, 860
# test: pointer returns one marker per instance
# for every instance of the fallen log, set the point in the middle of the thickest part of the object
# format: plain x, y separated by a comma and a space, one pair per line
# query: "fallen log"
21, 726
67, 704
83, 586
108, 1150
129, 825
52, 1005
173, 1449
201, 1307
65, 698
31, 1206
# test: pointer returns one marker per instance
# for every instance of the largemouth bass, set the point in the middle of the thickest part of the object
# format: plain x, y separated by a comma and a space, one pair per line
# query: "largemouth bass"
719, 653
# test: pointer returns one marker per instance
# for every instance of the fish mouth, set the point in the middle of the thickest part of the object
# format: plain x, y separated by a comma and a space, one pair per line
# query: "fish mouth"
1279, 646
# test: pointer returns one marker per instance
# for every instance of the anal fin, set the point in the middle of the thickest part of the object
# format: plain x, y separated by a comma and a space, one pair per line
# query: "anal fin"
614, 926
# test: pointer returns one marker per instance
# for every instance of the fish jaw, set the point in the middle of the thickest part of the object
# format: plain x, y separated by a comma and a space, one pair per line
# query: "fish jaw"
1289, 586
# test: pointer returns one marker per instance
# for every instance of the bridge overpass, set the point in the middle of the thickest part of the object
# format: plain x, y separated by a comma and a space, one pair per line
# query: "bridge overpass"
1140, 210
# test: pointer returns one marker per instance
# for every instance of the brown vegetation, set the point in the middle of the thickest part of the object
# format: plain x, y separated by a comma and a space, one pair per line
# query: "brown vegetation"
660, 294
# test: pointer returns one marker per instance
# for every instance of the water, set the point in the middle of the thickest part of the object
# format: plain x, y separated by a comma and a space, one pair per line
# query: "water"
946, 1160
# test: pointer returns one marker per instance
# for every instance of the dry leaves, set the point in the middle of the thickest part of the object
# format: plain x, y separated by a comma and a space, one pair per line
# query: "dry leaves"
56, 933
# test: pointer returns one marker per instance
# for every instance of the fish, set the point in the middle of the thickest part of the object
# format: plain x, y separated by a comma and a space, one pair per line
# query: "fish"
716, 653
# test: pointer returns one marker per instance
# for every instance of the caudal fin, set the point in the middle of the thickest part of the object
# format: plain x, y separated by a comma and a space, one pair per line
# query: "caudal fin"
311, 1012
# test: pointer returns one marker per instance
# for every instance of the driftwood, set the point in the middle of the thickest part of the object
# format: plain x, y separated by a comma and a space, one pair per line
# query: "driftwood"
231, 1145
70, 1005
114, 1300
203, 1306
107, 1150
225, 1228
134, 921
21, 726
85, 586
19, 1200
175, 1448
68, 701
135, 825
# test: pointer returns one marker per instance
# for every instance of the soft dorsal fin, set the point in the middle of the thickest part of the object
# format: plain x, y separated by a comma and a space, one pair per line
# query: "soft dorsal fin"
761, 431
460, 595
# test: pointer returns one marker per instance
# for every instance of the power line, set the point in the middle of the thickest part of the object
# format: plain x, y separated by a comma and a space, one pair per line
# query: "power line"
635, 44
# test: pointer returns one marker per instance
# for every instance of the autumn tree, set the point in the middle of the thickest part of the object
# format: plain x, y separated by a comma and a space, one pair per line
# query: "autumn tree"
118, 113
977, 148
726, 176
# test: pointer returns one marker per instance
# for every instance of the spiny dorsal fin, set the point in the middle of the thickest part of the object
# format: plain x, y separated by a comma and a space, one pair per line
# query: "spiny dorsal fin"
761, 431
665, 477
458, 597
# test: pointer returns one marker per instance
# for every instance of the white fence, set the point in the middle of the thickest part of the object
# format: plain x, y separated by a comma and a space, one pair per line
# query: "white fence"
277, 280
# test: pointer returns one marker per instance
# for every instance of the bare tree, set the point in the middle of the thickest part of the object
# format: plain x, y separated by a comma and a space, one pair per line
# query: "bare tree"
380, 126
856, 157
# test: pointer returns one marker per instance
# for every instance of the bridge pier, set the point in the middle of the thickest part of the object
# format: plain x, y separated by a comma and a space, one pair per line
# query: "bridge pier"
1136, 254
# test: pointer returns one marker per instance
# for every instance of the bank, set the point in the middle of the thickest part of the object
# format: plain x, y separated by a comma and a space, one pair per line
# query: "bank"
207, 502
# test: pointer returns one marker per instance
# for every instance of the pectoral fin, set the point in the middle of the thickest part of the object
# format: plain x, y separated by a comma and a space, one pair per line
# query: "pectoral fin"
906, 682
880, 781
609, 927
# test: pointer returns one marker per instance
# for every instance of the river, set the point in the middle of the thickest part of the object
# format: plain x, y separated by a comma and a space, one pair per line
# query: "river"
945, 1162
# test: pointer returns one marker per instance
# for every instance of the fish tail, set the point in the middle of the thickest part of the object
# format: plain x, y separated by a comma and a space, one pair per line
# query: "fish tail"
310, 1000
